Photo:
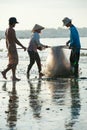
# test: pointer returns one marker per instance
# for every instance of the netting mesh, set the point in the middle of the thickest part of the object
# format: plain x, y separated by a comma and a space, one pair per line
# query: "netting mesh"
57, 63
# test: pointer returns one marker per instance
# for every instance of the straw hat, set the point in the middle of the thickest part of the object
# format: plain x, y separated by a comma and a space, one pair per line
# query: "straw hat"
66, 20
37, 27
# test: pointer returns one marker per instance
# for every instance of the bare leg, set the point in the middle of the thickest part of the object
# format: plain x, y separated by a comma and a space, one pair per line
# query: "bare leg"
5, 71
14, 74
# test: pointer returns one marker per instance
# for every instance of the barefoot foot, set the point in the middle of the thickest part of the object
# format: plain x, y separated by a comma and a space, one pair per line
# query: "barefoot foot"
4, 75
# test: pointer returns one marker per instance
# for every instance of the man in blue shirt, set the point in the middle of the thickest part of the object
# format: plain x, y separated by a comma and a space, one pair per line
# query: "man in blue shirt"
74, 45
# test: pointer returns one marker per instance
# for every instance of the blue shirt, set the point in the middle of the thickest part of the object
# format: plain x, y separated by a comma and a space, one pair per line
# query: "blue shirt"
74, 38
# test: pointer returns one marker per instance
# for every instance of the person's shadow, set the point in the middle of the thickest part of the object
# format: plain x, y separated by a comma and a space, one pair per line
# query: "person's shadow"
34, 98
12, 107
75, 104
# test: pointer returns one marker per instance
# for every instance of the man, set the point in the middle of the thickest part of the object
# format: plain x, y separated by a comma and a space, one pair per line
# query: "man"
35, 44
11, 42
74, 45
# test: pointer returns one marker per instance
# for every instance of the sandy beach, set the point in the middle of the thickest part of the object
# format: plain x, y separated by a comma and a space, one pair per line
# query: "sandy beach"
38, 105
59, 104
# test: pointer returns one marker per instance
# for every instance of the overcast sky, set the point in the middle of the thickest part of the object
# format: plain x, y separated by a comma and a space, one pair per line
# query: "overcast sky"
48, 13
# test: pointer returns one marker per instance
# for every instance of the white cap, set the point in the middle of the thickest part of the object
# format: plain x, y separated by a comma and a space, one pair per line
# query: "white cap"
66, 20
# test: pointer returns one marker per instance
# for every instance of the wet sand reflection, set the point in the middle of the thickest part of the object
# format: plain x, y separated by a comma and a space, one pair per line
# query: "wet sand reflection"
65, 93
12, 106
34, 99
59, 90
55, 103
75, 105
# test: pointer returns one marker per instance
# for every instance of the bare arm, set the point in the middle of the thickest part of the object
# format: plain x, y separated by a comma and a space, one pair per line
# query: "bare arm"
6, 41
18, 42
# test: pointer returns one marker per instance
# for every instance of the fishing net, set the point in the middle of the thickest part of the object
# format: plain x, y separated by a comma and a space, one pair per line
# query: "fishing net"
57, 63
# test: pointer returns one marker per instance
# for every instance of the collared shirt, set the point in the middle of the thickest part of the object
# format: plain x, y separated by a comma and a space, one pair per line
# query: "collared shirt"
74, 38
34, 42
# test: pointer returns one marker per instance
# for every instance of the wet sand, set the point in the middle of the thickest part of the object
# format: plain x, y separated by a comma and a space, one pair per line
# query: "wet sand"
59, 104
43, 105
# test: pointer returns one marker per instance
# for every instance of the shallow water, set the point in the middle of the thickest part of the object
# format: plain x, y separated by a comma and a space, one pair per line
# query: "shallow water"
58, 104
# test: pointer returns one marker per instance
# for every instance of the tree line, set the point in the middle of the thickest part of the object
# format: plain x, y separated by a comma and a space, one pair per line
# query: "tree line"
48, 33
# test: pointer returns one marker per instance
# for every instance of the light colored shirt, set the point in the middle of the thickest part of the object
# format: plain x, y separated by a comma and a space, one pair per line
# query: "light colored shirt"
74, 38
35, 42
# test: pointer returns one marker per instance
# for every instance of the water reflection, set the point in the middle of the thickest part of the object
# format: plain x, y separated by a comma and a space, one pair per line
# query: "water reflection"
59, 89
75, 105
65, 93
4, 86
35, 101
12, 107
